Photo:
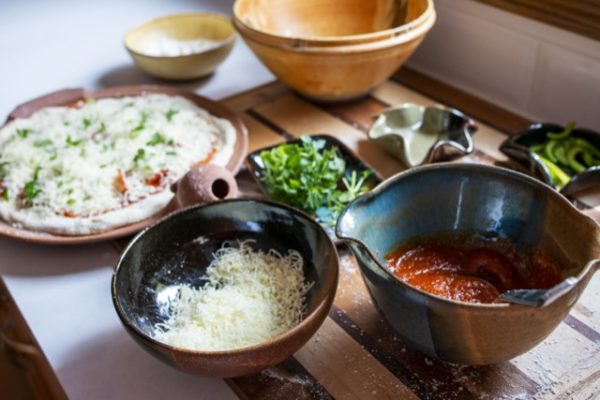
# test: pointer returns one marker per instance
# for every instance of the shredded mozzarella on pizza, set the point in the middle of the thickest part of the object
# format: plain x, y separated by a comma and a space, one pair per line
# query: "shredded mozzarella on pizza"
82, 162
250, 297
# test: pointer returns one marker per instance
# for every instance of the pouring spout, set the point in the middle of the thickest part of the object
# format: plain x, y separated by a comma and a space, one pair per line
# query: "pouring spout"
539, 297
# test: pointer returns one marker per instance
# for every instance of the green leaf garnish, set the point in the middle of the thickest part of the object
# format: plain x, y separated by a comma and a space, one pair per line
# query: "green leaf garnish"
72, 143
23, 133
139, 156
86, 122
311, 177
156, 139
170, 114
42, 143
32, 188
141, 125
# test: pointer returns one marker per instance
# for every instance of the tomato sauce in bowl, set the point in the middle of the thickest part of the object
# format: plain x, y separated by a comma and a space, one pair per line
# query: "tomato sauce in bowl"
474, 273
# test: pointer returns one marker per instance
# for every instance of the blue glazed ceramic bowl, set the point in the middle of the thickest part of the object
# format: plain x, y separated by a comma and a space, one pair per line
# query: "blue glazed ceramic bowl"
468, 199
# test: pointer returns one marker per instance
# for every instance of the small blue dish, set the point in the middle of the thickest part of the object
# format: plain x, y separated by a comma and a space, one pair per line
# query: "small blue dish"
518, 149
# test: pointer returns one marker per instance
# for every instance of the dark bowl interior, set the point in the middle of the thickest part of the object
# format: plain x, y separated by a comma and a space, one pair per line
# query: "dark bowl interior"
458, 200
179, 249
517, 148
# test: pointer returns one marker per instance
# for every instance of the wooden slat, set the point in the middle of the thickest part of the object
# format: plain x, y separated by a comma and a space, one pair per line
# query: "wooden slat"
299, 117
445, 380
346, 369
252, 98
288, 380
560, 362
488, 113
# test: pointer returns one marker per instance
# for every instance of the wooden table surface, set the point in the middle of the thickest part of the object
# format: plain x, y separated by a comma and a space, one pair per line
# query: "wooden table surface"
355, 354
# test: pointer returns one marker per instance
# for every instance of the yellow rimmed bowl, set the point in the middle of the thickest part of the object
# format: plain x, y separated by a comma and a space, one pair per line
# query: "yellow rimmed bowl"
182, 46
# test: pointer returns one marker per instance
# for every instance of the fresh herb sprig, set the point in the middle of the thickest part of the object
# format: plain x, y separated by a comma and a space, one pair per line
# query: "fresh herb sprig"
311, 177
32, 188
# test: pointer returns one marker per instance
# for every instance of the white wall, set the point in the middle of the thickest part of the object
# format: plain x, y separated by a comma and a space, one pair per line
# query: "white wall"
533, 69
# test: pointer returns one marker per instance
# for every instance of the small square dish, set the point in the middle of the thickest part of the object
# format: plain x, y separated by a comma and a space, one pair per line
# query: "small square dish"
287, 176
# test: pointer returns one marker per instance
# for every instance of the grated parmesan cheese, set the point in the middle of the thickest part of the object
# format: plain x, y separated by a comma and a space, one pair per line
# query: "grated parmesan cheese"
250, 297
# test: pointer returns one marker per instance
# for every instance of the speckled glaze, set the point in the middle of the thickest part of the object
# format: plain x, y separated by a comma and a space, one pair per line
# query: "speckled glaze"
465, 199
179, 248
517, 148
416, 134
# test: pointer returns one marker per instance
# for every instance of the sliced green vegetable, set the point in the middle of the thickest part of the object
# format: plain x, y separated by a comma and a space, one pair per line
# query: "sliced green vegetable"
572, 159
565, 133
561, 154
558, 176
549, 150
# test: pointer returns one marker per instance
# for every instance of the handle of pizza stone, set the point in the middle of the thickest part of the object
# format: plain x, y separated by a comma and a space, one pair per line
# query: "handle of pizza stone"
203, 184
59, 98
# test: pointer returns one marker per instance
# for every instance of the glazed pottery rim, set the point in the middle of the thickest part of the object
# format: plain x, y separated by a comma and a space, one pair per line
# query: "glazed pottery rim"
473, 167
396, 32
326, 302
229, 40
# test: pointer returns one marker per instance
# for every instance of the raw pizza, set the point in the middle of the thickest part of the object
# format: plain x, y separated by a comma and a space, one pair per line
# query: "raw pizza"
105, 163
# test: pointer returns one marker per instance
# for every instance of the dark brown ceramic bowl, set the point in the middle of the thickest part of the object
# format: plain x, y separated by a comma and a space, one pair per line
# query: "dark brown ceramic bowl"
179, 248
72, 96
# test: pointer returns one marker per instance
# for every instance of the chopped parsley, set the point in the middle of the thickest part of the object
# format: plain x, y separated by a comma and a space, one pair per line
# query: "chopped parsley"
86, 122
3, 169
156, 139
3, 174
43, 143
23, 133
139, 156
71, 202
312, 177
32, 188
141, 125
72, 143
170, 114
